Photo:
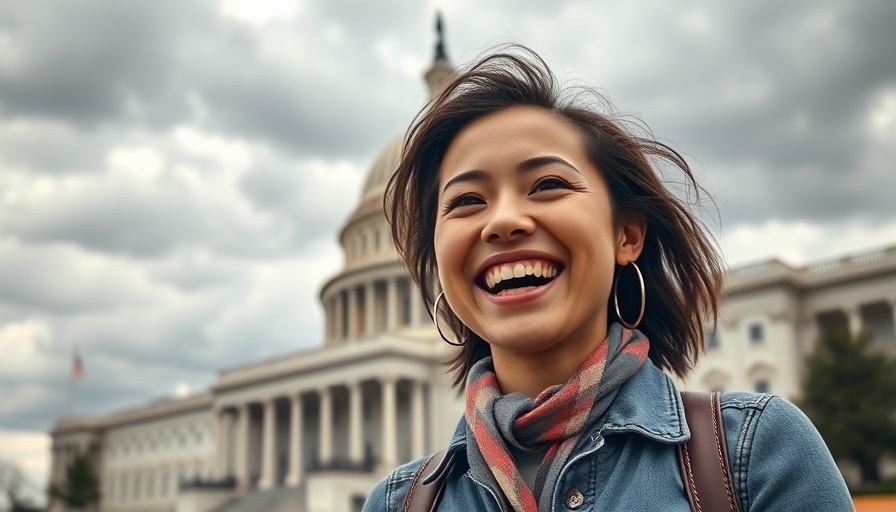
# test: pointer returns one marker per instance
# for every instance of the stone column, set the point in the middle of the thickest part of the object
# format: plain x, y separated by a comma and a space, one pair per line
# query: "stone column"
352, 297
416, 305
268, 445
392, 304
811, 332
221, 444
328, 319
355, 418
241, 461
369, 308
335, 305
390, 457
326, 427
854, 319
339, 316
418, 421
295, 442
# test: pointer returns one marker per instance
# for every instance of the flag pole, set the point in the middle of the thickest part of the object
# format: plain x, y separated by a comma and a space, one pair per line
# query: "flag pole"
76, 375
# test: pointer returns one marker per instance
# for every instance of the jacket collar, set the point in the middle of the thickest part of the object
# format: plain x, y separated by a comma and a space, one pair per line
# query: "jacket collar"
647, 404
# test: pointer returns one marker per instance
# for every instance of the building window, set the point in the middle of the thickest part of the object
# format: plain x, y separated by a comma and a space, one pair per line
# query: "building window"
136, 490
762, 386
712, 340
123, 488
756, 333
150, 486
163, 484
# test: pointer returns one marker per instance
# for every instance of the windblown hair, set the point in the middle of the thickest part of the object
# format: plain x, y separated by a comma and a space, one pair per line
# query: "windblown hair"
680, 263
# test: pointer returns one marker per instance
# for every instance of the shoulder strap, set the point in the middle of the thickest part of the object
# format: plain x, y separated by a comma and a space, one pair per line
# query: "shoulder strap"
423, 495
704, 458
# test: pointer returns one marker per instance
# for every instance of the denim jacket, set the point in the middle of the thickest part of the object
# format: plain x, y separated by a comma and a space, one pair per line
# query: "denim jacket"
630, 462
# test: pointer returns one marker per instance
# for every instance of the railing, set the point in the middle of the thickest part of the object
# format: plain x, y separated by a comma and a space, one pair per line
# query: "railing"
857, 260
824, 268
207, 483
750, 270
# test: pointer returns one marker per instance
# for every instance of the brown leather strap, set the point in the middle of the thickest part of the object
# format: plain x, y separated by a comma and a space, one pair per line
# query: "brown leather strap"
423, 495
704, 458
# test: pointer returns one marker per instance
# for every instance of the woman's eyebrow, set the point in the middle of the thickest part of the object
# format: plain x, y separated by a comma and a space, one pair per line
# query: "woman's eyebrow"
474, 175
527, 165
540, 161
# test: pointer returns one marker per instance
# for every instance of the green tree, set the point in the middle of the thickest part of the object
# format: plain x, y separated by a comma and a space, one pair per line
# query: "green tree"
849, 393
81, 488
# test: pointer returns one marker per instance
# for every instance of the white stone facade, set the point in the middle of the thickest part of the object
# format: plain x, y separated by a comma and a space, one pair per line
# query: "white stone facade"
773, 314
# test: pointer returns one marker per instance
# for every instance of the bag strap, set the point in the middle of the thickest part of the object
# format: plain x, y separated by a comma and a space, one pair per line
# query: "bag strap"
708, 482
708, 485
423, 495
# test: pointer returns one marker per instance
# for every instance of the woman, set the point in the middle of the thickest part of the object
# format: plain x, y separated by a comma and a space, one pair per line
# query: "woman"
560, 253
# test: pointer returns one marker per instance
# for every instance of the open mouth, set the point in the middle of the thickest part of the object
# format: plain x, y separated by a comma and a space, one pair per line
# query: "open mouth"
518, 277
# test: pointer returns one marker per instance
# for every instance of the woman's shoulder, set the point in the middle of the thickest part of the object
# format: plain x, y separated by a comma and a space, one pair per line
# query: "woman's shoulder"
762, 414
778, 459
388, 494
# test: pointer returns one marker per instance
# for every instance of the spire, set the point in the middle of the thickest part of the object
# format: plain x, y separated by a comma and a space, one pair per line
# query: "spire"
440, 39
441, 70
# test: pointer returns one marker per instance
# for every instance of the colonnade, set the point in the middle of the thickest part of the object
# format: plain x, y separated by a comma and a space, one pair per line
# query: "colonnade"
375, 305
234, 457
858, 317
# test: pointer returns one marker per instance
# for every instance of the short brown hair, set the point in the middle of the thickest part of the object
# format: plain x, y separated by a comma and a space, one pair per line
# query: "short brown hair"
680, 263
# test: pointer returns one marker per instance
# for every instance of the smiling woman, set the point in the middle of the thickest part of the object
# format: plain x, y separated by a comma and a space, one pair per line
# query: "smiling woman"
570, 277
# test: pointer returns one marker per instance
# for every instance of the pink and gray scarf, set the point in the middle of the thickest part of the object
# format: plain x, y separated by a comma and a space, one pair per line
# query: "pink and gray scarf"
553, 421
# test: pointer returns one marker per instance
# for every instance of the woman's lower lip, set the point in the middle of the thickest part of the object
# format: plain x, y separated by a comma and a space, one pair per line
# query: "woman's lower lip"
520, 298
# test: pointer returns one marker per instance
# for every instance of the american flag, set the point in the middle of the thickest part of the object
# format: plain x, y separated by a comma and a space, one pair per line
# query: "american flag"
77, 366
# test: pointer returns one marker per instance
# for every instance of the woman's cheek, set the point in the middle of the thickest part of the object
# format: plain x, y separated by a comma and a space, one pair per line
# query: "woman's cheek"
452, 250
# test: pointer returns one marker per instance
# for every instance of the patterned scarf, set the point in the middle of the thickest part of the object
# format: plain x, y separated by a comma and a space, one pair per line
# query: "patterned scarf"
554, 420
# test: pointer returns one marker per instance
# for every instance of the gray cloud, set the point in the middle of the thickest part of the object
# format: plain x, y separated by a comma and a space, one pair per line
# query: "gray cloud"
84, 61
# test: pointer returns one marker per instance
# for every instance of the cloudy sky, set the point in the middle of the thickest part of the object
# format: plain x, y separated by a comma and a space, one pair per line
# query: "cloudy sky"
173, 173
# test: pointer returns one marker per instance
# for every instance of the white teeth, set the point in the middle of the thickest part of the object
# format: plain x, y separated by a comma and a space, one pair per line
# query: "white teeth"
519, 269
506, 273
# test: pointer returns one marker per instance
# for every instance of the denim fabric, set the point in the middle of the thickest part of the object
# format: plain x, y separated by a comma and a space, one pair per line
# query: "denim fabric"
630, 462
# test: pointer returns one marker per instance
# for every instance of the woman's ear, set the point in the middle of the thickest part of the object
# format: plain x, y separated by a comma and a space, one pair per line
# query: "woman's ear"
630, 242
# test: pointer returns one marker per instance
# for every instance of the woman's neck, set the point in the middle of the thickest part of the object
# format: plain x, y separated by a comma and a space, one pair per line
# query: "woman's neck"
532, 373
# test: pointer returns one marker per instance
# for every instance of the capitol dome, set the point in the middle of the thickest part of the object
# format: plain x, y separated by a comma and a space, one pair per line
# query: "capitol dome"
372, 294
381, 171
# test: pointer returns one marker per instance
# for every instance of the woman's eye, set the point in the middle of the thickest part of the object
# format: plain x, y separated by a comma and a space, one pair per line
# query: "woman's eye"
460, 201
550, 184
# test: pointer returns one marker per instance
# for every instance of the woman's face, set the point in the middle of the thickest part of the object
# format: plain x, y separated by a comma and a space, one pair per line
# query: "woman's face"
525, 239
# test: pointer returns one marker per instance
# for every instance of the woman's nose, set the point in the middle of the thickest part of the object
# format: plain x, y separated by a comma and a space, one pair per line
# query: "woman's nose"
508, 221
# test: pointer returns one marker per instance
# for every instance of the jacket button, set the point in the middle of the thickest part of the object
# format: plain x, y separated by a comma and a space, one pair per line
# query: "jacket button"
574, 499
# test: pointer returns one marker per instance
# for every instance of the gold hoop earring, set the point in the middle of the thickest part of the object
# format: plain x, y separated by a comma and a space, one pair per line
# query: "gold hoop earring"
616, 298
435, 319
